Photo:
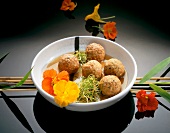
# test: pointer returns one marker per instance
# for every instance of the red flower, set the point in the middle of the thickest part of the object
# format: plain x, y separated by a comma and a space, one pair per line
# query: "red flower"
109, 30
146, 101
47, 82
68, 5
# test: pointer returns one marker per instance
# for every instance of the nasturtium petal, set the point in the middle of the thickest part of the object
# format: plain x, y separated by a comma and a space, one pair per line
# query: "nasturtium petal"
50, 73
47, 85
68, 5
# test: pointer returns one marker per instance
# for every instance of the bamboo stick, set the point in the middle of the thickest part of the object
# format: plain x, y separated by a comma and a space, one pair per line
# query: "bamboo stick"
155, 78
16, 81
149, 82
136, 90
34, 89
29, 78
27, 89
28, 82
14, 78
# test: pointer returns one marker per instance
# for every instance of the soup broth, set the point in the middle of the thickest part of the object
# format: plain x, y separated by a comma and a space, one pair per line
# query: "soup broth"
77, 76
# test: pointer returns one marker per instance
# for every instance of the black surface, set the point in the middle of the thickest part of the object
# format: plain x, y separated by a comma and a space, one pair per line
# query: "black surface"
20, 16
122, 113
30, 112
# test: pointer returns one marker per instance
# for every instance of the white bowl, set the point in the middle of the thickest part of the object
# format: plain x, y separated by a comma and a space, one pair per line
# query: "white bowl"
66, 45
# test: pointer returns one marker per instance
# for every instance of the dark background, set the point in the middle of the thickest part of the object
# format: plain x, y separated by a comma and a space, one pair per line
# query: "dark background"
18, 16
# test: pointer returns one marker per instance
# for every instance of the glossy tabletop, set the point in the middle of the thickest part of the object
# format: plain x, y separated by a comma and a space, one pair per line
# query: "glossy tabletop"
143, 30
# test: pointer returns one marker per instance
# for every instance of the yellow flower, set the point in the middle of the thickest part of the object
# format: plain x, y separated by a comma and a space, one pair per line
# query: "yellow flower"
95, 15
66, 92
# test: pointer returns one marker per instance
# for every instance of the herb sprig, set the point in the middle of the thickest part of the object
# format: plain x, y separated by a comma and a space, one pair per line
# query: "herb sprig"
89, 90
82, 57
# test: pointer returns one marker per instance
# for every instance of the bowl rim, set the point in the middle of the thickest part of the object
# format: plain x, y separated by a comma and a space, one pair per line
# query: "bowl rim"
119, 95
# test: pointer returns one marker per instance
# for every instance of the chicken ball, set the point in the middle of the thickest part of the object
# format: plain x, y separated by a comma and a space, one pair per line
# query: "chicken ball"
95, 51
110, 85
69, 63
92, 67
114, 66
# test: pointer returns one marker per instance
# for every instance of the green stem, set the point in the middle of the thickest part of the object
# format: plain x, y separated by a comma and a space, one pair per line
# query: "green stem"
98, 28
108, 17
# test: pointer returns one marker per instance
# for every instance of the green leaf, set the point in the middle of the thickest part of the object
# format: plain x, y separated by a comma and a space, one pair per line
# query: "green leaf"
156, 69
161, 92
3, 57
21, 81
4, 86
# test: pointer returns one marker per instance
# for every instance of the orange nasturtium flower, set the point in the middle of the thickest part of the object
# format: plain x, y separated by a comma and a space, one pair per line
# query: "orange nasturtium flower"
66, 92
47, 83
50, 77
109, 30
59, 86
68, 5
63, 75
146, 102
51, 73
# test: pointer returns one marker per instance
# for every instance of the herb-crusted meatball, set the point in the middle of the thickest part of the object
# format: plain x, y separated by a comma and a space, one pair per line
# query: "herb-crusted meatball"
69, 63
110, 85
114, 66
92, 67
95, 51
